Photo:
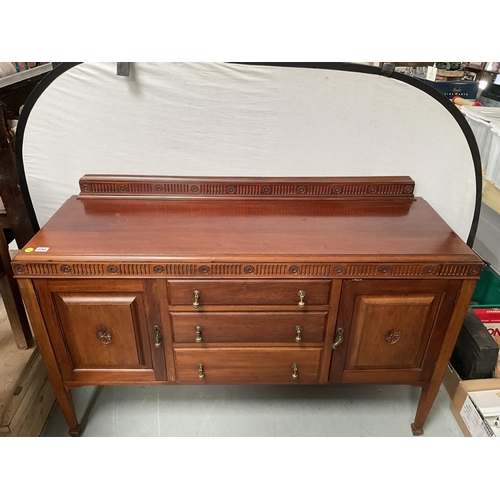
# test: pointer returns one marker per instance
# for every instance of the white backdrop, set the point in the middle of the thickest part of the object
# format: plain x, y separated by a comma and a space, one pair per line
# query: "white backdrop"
219, 119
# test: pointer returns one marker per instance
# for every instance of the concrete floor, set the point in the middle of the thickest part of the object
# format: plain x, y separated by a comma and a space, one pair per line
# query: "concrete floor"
263, 411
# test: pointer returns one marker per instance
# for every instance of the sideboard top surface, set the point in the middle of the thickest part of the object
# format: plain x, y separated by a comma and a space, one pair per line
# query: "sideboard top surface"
184, 229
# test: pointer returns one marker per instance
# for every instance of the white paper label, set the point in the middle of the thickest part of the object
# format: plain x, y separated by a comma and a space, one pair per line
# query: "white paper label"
431, 73
474, 421
41, 249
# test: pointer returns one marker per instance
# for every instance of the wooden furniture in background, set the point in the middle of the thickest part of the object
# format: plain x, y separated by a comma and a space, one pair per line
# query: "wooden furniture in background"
155, 280
13, 222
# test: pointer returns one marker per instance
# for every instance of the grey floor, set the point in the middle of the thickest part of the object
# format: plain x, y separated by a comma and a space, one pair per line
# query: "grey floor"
263, 411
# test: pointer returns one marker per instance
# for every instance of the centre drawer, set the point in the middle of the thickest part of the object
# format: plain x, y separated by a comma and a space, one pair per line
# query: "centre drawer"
286, 292
260, 365
204, 327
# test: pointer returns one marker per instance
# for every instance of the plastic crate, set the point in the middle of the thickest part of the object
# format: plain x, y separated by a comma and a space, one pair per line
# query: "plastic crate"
487, 292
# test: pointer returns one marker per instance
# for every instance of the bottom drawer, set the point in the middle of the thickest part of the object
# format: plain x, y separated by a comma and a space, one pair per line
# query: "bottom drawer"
260, 365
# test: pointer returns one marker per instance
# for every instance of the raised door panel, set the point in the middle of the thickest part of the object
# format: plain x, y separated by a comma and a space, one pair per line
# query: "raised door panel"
102, 332
392, 330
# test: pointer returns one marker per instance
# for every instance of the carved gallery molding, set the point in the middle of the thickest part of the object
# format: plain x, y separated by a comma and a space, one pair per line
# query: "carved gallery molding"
247, 270
376, 187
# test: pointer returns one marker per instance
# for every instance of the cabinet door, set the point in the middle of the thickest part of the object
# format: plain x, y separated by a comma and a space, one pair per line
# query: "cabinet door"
392, 330
102, 330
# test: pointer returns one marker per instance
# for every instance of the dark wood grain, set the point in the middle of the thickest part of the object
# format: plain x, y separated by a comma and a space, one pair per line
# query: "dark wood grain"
187, 231
249, 326
248, 365
246, 292
61, 392
386, 188
392, 326
443, 355
76, 317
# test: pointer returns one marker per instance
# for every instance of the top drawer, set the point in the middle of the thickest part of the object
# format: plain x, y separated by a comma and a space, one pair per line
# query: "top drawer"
284, 292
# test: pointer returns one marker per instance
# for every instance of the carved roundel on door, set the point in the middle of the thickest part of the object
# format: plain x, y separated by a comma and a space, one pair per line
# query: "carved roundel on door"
392, 336
105, 336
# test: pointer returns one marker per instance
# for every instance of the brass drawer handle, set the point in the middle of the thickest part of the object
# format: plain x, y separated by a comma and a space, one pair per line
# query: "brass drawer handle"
298, 329
295, 374
197, 295
301, 295
339, 339
198, 338
158, 336
201, 371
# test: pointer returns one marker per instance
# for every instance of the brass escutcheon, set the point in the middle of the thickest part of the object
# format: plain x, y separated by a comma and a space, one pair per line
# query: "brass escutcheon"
295, 374
201, 371
301, 295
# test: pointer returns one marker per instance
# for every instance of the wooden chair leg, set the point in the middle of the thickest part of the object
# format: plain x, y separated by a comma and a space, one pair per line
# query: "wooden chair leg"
13, 301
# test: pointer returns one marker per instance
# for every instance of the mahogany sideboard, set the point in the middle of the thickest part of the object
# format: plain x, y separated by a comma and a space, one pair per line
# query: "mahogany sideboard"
203, 280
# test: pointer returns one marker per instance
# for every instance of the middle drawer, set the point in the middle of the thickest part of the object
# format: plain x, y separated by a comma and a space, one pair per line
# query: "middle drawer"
203, 327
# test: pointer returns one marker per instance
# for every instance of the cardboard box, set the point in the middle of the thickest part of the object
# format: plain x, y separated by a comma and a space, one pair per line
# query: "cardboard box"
451, 381
470, 420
